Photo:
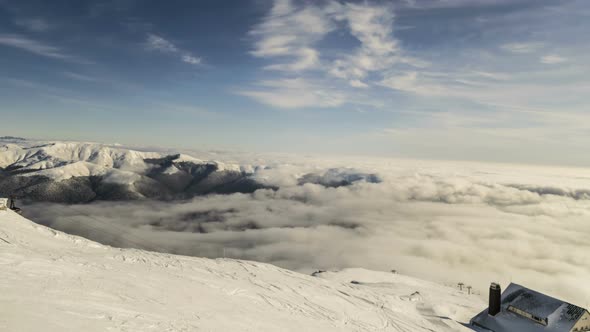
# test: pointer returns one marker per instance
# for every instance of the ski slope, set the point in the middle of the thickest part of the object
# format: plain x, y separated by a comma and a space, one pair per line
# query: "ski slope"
52, 281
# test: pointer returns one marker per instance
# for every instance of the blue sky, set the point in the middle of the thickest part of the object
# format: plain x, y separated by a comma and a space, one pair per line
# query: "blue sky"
503, 80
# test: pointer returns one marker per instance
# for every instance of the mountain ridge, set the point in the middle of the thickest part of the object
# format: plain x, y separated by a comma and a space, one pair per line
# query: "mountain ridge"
83, 172
91, 171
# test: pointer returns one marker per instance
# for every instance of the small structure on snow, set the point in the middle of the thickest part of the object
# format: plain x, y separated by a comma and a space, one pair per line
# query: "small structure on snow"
8, 203
414, 297
525, 310
316, 273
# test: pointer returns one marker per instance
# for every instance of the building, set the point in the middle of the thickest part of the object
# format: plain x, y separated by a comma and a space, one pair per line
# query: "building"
525, 310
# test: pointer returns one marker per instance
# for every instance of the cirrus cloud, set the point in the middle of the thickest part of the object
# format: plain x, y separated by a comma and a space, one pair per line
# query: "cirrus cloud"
294, 93
552, 59
36, 47
160, 44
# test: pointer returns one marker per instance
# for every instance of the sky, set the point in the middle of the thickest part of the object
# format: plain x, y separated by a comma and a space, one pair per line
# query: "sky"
503, 80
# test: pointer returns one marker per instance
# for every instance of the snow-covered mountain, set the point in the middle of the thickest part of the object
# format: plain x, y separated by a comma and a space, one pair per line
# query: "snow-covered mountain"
74, 172
80, 172
52, 281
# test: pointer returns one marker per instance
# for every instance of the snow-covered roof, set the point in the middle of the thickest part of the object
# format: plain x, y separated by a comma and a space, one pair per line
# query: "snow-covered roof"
526, 310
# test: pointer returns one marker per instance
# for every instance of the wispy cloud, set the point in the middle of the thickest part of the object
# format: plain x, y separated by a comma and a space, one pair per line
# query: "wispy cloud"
290, 34
494, 76
33, 24
294, 93
502, 72
487, 87
36, 47
404, 82
373, 27
160, 44
515, 132
191, 59
165, 107
552, 59
522, 47
80, 77
80, 102
105, 80
358, 84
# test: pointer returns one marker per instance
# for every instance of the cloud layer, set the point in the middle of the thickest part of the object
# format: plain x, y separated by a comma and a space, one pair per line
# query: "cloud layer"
449, 222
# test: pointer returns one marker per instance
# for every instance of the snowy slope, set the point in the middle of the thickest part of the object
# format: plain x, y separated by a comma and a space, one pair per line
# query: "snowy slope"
51, 281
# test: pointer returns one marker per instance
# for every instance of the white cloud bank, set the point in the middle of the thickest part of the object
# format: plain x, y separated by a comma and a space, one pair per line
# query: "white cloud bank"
447, 221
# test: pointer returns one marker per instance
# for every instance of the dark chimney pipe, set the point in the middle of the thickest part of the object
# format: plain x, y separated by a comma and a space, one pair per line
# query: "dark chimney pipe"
495, 296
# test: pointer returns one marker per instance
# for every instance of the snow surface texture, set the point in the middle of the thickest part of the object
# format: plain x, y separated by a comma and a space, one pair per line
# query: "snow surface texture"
470, 222
52, 281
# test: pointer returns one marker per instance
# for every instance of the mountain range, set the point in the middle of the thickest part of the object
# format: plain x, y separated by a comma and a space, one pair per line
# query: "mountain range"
80, 172
74, 172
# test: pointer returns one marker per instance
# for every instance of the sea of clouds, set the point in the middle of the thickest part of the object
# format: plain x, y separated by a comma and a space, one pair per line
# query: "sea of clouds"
443, 221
